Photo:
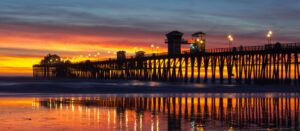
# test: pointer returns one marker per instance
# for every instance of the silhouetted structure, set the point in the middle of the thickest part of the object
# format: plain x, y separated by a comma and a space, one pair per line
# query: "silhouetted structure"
174, 40
198, 42
51, 59
52, 67
121, 55
140, 54
273, 63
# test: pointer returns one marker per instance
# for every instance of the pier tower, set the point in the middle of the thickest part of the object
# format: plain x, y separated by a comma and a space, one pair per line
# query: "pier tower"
174, 40
121, 55
198, 42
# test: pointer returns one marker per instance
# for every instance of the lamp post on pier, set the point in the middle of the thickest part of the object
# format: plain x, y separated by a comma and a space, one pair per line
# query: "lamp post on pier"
152, 47
98, 54
134, 49
269, 37
230, 40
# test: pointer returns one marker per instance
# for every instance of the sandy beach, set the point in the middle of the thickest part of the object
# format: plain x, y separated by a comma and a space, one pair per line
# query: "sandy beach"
85, 104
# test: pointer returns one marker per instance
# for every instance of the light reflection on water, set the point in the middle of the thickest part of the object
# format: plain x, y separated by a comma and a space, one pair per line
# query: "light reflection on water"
152, 112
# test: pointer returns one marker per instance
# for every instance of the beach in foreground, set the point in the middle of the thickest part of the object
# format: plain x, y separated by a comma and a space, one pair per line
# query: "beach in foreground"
149, 112
69, 104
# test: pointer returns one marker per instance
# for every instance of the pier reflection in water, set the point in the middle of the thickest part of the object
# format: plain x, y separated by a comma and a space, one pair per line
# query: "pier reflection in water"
181, 113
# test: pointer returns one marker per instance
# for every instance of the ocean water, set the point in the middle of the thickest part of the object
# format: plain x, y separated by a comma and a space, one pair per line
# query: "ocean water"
150, 111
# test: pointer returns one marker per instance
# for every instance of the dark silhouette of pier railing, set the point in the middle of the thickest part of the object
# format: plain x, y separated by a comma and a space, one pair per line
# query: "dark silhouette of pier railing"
272, 63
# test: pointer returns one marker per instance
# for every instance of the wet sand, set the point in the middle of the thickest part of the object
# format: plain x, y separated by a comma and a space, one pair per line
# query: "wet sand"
30, 85
77, 104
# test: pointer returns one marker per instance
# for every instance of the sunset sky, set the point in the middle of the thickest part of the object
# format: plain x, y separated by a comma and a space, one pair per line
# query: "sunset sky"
31, 29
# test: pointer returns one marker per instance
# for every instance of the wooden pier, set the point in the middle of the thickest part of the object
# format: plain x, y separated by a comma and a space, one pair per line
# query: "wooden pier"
272, 63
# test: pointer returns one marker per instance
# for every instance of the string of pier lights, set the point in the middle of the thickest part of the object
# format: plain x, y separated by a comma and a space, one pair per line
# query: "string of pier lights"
98, 54
91, 56
269, 38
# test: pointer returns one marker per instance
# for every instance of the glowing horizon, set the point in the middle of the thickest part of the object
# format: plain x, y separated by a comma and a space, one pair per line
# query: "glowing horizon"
78, 28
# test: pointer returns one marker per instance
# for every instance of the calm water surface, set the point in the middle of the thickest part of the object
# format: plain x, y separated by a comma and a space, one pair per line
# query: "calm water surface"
151, 112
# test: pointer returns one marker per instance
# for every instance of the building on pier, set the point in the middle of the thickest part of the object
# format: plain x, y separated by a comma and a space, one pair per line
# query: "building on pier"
121, 55
198, 42
51, 59
174, 41
140, 54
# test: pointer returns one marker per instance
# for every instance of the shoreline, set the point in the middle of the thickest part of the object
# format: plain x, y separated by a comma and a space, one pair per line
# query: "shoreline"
88, 86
